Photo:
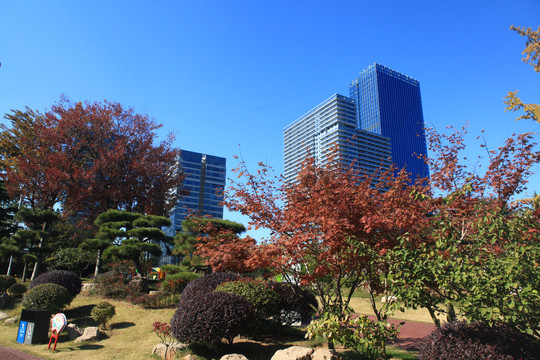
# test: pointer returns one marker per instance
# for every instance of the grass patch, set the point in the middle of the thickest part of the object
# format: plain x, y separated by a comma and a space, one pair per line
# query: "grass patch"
131, 336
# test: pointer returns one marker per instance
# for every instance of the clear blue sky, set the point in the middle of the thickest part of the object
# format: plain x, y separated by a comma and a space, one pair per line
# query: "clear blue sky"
228, 76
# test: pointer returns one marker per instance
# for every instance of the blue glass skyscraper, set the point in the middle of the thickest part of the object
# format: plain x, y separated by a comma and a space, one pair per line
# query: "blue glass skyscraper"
389, 104
202, 191
333, 123
203, 187
379, 124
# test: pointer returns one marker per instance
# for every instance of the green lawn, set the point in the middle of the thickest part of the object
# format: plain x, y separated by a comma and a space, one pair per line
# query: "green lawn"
131, 336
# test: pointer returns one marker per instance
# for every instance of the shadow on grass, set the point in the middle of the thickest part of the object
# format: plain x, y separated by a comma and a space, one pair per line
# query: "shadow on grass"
122, 325
81, 316
91, 347
252, 350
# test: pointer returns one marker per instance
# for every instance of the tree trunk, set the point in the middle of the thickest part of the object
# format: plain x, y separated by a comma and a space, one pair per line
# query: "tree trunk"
434, 317
38, 261
9, 266
450, 313
98, 263
24, 272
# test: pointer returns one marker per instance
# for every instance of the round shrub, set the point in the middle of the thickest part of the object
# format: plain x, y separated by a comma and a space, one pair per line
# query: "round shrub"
206, 284
478, 341
263, 298
295, 302
65, 278
212, 317
102, 313
17, 289
175, 283
5, 282
52, 297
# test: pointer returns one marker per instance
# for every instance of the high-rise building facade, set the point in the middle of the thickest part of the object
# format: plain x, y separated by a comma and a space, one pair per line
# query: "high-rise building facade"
389, 104
331, 124
379, 124
205, 177
202, 192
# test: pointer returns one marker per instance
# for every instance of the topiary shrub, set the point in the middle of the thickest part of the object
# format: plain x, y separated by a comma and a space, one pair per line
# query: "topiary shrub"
6, 281
478, 341
212, 317
102, 313
295, 302
206, 284
17, 289
65, 278
263, 298
50, 296
175, 283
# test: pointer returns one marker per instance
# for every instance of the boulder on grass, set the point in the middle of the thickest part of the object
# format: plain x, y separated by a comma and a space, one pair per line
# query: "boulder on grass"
325, 354
73, 331
160, 349
293, 353
90, 333
10, 321
233, 357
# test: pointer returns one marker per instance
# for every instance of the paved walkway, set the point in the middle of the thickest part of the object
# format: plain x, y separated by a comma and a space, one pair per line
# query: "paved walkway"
12, 354
411, 334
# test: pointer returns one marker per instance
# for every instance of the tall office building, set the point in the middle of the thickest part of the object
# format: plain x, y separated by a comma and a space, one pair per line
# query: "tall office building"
204, 181
380, 124
333, 123
389, 104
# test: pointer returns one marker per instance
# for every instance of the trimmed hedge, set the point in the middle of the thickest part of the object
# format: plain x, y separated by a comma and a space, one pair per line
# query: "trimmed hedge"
102, 313
65, 278
478, 341
212, 317
6, 281
263, 298
206, 284
17, 289
49, 296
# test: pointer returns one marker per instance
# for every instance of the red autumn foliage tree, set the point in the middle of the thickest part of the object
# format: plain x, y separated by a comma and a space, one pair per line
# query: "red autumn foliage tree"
90, 157
217, 242
316, 222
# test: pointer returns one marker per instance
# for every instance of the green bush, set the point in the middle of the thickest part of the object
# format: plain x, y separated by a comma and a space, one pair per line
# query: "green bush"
159, 300
113, 285
5, 282
52, 297
175, 283
65, 278
17, 289
263, 298
103, 312
170, 269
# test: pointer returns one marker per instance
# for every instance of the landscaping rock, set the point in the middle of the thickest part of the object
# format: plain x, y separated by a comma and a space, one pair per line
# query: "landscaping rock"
73, 331
325, 354
87, 288
12, 320
3, 315
233, 357
91, 333
189, 357
293, 353
159, 350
